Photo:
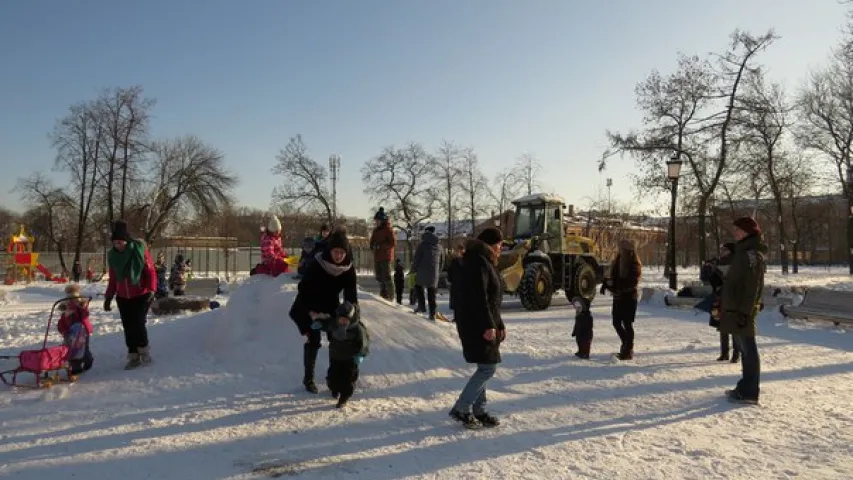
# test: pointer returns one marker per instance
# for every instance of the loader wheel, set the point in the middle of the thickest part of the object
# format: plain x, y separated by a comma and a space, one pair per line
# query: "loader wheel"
583, 282
536, 288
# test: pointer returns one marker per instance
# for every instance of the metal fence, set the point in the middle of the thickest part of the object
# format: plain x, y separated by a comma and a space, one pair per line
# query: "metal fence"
205, 261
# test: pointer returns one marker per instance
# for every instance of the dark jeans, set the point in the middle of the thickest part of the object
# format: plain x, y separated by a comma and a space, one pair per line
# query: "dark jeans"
430, 298
474, 393
624, 311
83, 364
342, 376
382, 271
134, 313
751, 365
724, 344
309, 354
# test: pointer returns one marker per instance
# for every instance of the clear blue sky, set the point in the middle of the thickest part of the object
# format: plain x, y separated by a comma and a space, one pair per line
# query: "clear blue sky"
503, 76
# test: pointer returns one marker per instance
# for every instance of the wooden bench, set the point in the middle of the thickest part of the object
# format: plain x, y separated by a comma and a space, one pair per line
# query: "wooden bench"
823, 304
203, 287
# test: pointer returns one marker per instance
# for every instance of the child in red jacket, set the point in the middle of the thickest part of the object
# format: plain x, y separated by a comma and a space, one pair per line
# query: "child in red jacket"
75, 327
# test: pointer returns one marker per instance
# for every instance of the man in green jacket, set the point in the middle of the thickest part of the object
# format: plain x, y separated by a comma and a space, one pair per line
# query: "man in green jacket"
741, 299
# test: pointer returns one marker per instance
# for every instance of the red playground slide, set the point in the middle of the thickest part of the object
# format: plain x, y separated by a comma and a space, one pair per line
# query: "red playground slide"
49, 276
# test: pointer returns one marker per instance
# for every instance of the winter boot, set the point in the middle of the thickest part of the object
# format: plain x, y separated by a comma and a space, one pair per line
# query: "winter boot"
309, 359
488, 420
735, 357
584, 346
144, 355
724, 356
342, 401
626, 353
132, 361
465, 418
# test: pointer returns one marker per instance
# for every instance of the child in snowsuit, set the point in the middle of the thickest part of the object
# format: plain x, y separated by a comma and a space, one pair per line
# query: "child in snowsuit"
75, 328
161, 268
272, 252
583, 327
349, 343
399, 281
178, 276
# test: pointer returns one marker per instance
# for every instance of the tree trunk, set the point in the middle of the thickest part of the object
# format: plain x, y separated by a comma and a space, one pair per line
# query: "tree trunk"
703, 237
123, 181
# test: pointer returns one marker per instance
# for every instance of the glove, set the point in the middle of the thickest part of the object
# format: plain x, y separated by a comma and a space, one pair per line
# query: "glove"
358, 359
316, 325
108, 304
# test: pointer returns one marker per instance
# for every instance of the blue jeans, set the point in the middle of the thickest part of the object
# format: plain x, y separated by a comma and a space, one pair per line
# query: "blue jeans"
474, 393
751, 363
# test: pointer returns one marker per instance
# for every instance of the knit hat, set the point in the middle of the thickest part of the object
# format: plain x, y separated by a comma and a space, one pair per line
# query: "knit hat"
748, 225
626, 245
381, 215
120, 231
346, 310
491, 236
274, 225
430, 229
338, 239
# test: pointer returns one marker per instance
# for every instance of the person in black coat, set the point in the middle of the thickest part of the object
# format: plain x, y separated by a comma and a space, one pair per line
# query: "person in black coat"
399, 280
717, 278
330, 274
583, 327
479, 324
454, 275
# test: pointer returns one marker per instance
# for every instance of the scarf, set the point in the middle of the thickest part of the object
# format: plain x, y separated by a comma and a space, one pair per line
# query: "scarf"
331, 268
129, 263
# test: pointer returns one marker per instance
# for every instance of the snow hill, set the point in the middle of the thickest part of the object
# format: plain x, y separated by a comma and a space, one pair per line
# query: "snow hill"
223, 400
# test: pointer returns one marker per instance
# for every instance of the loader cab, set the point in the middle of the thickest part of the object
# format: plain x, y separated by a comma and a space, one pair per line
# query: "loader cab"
540, 217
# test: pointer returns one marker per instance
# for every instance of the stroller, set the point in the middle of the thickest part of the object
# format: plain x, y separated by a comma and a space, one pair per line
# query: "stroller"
44, 363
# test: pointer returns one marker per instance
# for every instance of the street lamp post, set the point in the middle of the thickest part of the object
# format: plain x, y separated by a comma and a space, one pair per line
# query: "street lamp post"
673, 171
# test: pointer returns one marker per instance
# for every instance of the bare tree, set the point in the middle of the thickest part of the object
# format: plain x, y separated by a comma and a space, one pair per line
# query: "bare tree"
447, 167
78, 138
475, 187
306, 187
826, 111
734, 67
125, 115
528, 168
51, 210
674, 107
505, 189
189, 174
765, 120
402, 178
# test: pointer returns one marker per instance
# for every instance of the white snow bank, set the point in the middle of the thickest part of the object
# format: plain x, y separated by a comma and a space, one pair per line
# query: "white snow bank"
223, 399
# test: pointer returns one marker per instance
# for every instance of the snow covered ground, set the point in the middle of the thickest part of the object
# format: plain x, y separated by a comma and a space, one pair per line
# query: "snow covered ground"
223, 400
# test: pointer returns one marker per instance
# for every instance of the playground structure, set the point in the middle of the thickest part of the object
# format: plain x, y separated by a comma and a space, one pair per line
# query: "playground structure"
22, 263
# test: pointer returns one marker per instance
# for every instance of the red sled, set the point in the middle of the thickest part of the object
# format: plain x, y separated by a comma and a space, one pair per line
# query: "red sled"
45, 363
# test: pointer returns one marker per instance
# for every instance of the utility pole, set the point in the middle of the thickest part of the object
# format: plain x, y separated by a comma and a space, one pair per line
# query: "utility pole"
609, 198
334, 168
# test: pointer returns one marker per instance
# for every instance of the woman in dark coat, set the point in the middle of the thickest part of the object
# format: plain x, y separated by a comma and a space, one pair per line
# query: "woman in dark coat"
624, 278
479, 324
319, 295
